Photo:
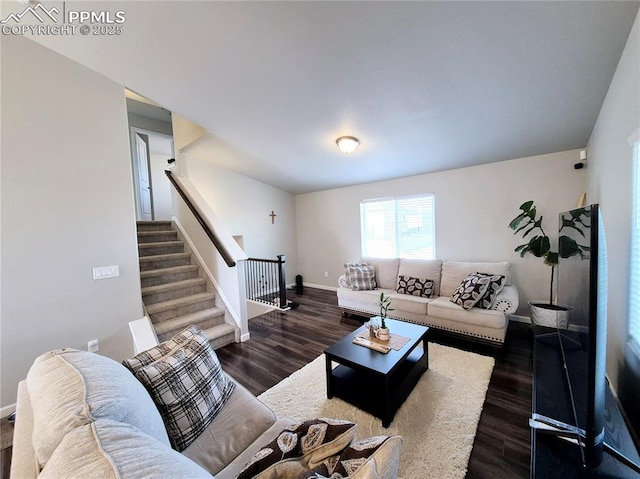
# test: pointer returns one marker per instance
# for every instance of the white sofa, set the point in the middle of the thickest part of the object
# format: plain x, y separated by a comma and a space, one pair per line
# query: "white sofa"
436, 311
82, 415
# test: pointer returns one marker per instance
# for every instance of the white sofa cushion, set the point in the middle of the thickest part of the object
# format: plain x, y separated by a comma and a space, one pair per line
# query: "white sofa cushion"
386, 271
442, 307
71, 388
369, 297
424, 269
409, 303
454, 272
233, 430
111, 449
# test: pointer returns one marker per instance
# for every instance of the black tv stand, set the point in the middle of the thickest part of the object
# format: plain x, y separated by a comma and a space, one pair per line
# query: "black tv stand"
555, 451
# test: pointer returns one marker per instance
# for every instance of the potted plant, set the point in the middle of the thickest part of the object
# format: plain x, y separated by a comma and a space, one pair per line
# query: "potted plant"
385, 306
539, 245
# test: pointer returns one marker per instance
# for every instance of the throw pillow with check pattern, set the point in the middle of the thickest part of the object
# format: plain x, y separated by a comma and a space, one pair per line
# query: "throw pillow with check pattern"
187, 384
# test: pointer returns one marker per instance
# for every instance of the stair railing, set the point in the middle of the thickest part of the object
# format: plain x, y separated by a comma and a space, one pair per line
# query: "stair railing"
266, 281
199, 217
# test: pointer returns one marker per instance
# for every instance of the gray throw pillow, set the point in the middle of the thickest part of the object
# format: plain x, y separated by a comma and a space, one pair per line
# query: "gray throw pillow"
361, 277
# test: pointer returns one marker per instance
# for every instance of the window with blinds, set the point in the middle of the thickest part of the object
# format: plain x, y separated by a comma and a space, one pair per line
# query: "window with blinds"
399, 227
634, 286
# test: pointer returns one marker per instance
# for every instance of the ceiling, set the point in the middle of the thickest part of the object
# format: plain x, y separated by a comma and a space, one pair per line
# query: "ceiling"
426, 86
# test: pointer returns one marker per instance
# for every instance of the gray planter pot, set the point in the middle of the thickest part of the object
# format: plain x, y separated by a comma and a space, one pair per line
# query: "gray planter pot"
543, 315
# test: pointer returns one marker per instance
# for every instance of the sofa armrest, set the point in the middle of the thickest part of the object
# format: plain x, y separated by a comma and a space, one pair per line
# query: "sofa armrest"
23, 455
507, 300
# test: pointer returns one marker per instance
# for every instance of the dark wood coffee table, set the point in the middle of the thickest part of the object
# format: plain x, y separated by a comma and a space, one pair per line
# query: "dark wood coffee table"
374, 382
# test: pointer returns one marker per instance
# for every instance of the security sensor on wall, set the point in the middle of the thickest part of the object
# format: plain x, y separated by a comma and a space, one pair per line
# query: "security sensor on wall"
583, 160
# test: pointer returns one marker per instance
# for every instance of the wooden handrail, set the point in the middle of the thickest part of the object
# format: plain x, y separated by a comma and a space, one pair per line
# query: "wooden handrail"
212, 236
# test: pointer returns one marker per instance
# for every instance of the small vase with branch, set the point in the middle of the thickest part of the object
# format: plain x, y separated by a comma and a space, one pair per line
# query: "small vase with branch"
385, 306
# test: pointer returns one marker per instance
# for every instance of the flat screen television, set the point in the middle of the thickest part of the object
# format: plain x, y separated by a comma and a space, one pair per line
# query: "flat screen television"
582, 340
582, 286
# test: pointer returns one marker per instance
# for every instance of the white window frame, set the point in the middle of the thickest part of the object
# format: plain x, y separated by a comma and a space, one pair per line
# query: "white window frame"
390, 243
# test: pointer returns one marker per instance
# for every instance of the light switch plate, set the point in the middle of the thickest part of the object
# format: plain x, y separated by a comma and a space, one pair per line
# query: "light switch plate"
104, 272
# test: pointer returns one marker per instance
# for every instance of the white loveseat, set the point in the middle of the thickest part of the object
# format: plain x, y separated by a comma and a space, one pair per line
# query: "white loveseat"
82, 415
436, 311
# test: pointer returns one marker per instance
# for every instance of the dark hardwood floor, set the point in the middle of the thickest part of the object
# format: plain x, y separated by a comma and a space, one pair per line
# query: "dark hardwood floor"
282, 343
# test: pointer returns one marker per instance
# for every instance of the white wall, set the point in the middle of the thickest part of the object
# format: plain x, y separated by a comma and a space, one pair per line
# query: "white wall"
473, 209
610, 176
67, 206
243, 205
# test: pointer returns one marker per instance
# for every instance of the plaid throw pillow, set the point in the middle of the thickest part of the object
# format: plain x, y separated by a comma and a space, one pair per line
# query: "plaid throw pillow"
157, 352
361, 277
187, 385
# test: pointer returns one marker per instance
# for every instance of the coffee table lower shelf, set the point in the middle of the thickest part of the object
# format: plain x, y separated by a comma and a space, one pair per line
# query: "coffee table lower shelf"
379, 395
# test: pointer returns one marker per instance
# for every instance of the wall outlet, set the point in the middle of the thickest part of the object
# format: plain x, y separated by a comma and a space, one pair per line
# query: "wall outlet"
326, 274
106, 272
93, 346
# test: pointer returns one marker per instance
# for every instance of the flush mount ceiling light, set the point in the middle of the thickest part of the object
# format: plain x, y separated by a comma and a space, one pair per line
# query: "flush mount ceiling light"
347, 143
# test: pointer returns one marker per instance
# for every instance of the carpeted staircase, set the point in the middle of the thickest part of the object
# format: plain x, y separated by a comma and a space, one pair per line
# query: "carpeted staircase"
175, 291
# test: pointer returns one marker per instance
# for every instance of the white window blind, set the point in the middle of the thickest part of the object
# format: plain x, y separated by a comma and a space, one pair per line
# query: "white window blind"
401, 227
634, 286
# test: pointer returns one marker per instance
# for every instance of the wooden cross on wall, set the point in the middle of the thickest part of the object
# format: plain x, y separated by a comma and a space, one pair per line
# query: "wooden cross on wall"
273, 217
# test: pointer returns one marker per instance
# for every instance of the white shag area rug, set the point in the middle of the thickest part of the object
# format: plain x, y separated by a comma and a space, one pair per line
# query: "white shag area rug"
438, 421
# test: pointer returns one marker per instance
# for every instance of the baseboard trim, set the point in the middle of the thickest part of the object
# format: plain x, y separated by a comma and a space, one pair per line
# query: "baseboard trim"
320, 286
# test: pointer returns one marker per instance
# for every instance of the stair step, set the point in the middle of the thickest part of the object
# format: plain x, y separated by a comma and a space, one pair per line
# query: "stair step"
180, 306
161, 247
214, 315
153, 225
154, 277
221, 335
162, 261
174, 290
157, 236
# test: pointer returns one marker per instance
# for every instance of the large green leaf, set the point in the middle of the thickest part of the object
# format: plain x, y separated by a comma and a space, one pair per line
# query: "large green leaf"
526, 206
515, 222
539, 245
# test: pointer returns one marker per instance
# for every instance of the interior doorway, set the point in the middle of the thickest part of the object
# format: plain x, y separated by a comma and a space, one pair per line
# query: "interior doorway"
151, 137
152, 186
